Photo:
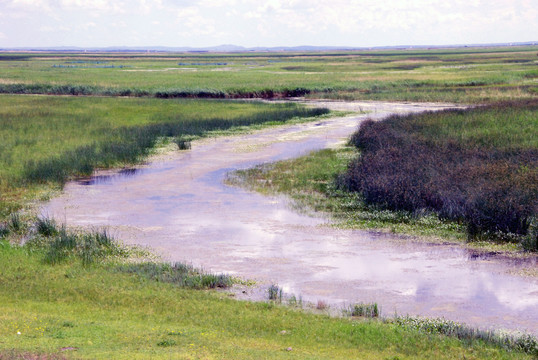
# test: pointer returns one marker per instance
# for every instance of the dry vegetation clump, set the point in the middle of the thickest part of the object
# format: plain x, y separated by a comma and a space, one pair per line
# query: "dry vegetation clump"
19, 355
478, 173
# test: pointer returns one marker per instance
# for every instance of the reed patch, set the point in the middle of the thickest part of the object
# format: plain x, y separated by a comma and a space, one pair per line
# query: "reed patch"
476, 166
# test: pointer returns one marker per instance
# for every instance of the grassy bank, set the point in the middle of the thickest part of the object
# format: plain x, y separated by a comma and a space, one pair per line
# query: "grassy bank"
45, 140
451, 174
449, 75
310, 181
111, 309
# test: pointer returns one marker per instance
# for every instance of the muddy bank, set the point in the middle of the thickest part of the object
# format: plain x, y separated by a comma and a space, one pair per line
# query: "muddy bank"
178, 205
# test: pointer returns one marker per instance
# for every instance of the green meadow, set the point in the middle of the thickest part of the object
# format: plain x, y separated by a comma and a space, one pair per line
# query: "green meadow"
467, 75
100, 311
45, 140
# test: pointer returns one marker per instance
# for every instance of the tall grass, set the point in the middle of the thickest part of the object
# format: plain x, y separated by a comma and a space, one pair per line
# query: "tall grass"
89, 248
178, 274
363, 310
127, 144
4, 230
49, 139
46, 226
275, 293
478, 166
510, 341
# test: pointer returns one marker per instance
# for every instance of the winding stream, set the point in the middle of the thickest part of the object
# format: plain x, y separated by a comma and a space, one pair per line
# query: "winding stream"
178, 205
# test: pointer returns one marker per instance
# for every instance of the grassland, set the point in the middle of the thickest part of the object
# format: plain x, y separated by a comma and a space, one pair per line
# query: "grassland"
68, 295
99, 310
45, 140
454, 75
312, 182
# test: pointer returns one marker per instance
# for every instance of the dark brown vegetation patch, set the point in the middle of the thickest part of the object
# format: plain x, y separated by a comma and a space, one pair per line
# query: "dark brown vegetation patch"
472, 166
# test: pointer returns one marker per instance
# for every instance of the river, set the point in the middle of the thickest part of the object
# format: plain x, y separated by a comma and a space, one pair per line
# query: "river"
178, 205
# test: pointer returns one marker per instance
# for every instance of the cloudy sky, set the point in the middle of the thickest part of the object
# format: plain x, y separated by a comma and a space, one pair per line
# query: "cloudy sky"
198, 23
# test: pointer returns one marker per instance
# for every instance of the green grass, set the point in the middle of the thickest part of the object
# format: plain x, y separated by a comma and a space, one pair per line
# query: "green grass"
311, 182
523, 342
457, 75
510, 126
95, 313
45, 140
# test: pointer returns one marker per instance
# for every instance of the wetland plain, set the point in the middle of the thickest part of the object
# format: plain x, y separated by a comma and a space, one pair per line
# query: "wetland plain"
179, 207
91, 141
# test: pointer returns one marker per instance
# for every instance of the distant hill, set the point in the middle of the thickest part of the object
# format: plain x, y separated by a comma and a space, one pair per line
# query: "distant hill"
230, 48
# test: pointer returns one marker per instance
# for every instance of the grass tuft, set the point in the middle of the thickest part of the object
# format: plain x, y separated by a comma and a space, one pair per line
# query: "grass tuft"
61, 245
179, 274
183, 144
511, 341
47, 227
60, 248
167, 343
275, 293
4, 230
530, 241
363, 310
15, 223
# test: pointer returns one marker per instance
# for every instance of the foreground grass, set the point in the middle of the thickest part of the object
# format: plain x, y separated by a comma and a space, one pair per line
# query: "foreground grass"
448, 75
45, 140
71, 310
311, 182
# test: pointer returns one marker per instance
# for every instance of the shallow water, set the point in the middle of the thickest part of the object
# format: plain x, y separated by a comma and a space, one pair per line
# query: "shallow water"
178, 205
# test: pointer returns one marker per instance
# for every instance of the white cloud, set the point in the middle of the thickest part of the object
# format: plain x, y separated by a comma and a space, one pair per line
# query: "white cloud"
35, 4
94, 5
229, 13
187, 12
41, 6
275, 22
68, 5
194, 20
147, 6
315, 16
87, 26
47, 29
252, 15
119, 24
219, 3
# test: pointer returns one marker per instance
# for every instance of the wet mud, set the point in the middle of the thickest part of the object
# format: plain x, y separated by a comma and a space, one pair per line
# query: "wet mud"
178, 205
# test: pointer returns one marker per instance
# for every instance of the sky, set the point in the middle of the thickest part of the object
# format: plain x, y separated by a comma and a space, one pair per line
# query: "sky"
201, 23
